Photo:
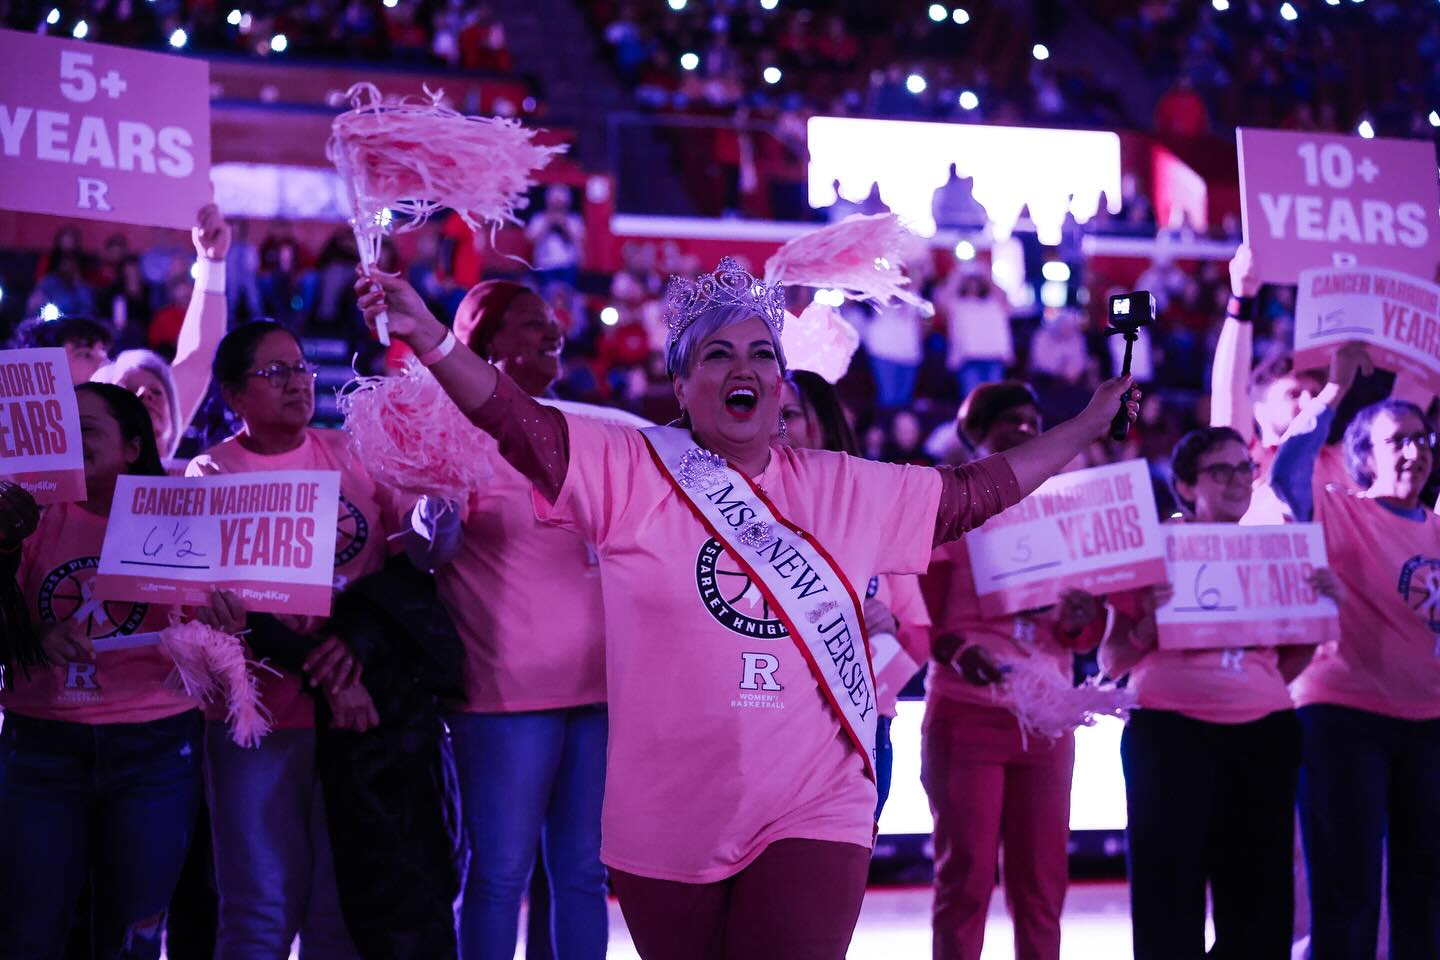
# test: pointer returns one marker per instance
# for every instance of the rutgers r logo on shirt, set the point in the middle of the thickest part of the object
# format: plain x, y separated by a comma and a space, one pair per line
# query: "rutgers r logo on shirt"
736, 603
67, 594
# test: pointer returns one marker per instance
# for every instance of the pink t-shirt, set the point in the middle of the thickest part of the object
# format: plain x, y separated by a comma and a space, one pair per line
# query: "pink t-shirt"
369, 513
1238, 685
56, 576
720, 741
902, 595
525, 597
949, 588
1387, 659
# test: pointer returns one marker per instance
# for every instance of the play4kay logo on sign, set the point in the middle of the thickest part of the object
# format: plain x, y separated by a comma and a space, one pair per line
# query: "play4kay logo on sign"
1320, 200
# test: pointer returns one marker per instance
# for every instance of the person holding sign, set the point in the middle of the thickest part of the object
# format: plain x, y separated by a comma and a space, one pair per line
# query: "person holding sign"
1369, 704
1214, 743
172, 392
1261, 403
987, 784
99, 752
811, 418
273, 857
739, 798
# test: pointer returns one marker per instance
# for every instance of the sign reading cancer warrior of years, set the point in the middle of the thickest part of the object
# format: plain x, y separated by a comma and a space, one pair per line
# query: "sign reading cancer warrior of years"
1321, 200
269, 537
1238, 586
103, 133
1094, 530
1396, 315
40, 425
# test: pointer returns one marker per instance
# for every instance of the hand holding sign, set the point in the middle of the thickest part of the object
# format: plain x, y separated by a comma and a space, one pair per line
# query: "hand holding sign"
211, 235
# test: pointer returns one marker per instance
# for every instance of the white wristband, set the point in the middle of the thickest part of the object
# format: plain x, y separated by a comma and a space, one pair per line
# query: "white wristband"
211, 275
440, 351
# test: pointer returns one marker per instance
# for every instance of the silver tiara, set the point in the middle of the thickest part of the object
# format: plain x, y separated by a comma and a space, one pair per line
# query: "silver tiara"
730, 285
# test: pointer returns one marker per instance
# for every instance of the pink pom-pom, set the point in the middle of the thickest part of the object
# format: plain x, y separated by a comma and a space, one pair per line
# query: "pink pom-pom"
860, 255
1047, 706
409, 434
209, 663
819, 340
415, 157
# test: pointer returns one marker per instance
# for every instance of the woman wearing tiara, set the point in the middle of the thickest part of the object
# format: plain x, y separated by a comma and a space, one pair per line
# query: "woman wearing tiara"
739, 795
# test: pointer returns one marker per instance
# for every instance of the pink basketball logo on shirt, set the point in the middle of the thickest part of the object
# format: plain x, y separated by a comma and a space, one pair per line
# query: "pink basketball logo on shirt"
66, 593
732, 597
1420, 586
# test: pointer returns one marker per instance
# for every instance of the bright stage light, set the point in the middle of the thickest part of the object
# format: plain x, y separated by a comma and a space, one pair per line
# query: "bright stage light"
1040, 52
279, 43
178, 39
915, 83
689, 61
772, 75
968, 100
960, 16
1288, 12
609, 316
81, 31
1366, 130
938, 13
1056, 271
49, 312
964, 250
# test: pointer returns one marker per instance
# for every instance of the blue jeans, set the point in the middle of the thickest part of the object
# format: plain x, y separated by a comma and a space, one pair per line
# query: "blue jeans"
1369, 781
111, 803
894, 382
884, 763
529, 779
273, 867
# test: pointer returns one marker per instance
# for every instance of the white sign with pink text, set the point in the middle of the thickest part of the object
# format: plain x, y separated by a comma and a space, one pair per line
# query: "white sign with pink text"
1095, 530
1241, 586
268, 537
1322, 200
1396, 315
102, 133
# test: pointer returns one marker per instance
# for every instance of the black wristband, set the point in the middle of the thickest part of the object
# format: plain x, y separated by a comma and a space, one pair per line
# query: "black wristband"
1241, 308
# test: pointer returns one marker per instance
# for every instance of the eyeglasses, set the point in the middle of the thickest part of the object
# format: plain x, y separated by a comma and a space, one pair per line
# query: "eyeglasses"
1422, 441
1224, 473
278, 375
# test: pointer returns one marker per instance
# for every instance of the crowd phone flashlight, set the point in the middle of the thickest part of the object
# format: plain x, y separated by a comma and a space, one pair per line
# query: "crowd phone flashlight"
1128, 313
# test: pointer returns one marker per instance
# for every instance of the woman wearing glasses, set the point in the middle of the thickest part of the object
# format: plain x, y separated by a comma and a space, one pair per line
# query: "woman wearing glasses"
1369, 704
1212, 753
273, 860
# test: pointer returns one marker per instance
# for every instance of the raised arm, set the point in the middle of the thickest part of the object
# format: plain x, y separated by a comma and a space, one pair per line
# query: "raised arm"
975, 492
530, 435
205, 318
1230, 373
1293, 472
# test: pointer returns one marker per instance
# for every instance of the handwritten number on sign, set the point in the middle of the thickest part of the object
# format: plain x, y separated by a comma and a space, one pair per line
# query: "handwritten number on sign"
1209, 598
1023, 551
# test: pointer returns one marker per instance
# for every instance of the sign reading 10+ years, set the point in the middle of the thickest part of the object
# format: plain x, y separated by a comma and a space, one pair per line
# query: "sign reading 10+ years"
102, 133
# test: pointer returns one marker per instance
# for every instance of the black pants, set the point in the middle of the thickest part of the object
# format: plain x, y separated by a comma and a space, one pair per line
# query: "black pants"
1211, 803
392, 802
1371, 781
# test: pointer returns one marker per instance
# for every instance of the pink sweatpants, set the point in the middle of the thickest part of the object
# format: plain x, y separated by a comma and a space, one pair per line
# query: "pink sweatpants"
985, 791
798, 900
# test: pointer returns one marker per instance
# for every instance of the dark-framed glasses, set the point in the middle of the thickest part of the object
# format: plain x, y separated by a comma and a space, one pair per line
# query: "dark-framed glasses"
1224, 473
278, 374
1422, 441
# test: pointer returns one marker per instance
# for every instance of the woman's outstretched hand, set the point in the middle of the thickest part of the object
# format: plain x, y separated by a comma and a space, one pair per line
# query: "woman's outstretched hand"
407, 316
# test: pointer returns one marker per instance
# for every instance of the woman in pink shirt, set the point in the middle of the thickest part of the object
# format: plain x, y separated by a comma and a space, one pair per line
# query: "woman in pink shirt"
739, 800
1369, 703
988, 785
100, 751
530, 737
272, 814
1212, 753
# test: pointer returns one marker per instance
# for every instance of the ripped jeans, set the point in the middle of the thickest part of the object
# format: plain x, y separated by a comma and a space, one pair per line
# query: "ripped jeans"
113, 804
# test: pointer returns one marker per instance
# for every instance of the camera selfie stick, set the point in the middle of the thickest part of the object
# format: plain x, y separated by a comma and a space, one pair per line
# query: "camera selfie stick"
1128, 313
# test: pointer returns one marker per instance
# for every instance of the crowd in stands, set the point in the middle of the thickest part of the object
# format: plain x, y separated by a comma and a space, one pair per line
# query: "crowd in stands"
440, 33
